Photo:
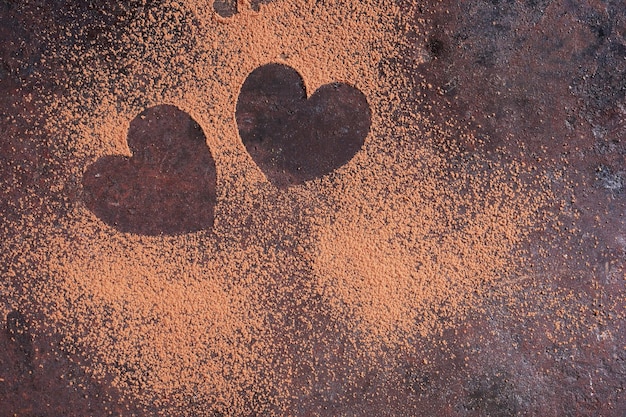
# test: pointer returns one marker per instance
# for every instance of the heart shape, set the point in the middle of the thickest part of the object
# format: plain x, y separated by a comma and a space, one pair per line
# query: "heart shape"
166, 187
294, 139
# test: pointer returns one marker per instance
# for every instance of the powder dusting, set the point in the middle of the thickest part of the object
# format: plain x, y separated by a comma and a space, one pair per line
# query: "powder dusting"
400, 242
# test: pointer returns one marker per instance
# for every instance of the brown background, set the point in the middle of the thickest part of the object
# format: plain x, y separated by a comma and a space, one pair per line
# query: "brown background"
537, 80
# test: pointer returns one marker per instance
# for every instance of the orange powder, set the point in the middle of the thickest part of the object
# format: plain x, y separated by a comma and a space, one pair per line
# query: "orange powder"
398, 242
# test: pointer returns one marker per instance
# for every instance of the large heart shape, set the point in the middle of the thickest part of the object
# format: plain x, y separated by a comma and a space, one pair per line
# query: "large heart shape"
294, 139
166, 187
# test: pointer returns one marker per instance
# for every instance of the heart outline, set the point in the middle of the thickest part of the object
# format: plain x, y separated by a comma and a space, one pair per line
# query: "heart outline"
274, 97
156, 190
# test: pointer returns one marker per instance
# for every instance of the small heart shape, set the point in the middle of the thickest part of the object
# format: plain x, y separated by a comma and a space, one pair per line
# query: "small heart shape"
294, 139
166, 187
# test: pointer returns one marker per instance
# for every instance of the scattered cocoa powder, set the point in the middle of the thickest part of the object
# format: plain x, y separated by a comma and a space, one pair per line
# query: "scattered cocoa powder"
403, 241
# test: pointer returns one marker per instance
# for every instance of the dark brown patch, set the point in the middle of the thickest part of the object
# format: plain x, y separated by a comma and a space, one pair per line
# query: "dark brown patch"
225, 8
293, 139
166, 187
19, 333
228, 8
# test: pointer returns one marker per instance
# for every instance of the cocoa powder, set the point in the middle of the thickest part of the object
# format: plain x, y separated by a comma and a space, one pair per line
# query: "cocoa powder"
403, 240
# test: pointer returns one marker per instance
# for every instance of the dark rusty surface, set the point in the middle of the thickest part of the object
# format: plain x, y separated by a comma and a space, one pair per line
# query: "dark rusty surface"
294, 139
38, 378
539, 81
543, 82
